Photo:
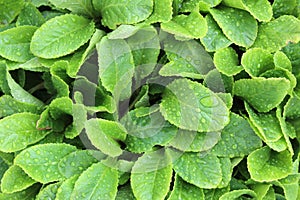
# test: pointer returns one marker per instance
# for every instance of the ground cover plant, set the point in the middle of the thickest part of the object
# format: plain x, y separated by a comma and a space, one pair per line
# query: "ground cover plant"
149, 99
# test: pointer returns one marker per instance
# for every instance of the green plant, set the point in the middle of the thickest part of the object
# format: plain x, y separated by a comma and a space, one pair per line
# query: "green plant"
149, 99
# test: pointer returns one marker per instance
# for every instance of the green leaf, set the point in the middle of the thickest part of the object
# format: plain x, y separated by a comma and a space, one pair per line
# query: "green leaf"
260, 9
15, 43
84, 7
9, 10
218, 82
103, 185
105, 134
48, 192
284, 7
292, 107
40, 162
66, 188
77, 162
60, 107
212, 194
203, 171
151, 176
205, 5
237, 139
191, 141
186, 26
282, 61
267, 165
15, 180
125, 193
256, 61
144, 132
237, 194
116, 68
214, 38
290, 185
114, 12
28, 194
18, 131
263, 94
227, 169
191, 106
184, 190
238, 25
274, 35
226, 61
162, 12
30, 15
61, 36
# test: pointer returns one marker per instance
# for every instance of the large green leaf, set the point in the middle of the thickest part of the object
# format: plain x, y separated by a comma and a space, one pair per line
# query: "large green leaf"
114, 12
284, 7
263, 94
189, 105
274, 35
238, 25
267, 165
237, 139
9, 10
151, 176
15, 43
61, 36
41, 161
97, 182
162, 11
203, 171
84, 7
18, 131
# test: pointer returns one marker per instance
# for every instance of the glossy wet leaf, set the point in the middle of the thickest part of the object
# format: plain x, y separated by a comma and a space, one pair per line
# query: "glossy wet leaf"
263, 94
238, 25
105, 134
282, 61
214, 38
48, 192
151, 176
18, 131
115, 12
162, 11
184, 190
146, 131
83, 7
61, 36
191, 106
125, 192
274, 35
15, 43
290, 185
236, 194
30, 15
260, 9
9, 10
256, 61
286, 7
237, 139
28, 194
40, 162
66, 188
203, 171
98, 181
292, 107
267, 165
186, 26
226, 61
15, 180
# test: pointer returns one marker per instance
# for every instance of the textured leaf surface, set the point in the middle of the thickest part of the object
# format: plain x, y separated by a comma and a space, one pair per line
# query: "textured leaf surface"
41, 161
236, 194
260, 9
18, 131
238, 25
267, 165
274, 35
237, 139
190, 105
84, 7
9, 10
263, 94
30, 15
115, 12
61, 36
202, 171
162, 11
48, 192
27, 194
66, 188
97, 182
15, 43
151, 176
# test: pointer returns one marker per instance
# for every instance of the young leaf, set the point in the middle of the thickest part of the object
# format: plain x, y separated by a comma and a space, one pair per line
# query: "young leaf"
235, 194
238, 25
237, 139
284, 7
15, 180
202, 171
9, 10
162, 12
66, 188
274, 35
267, 165
15, 43
28, 194
151, 176
125, 192
48, 192
263, 94
184, 190
115, 13
104, 135
30, 15
61, 36
103, 185
18, 131
282, 61
191, 106
40, 162
260, 9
